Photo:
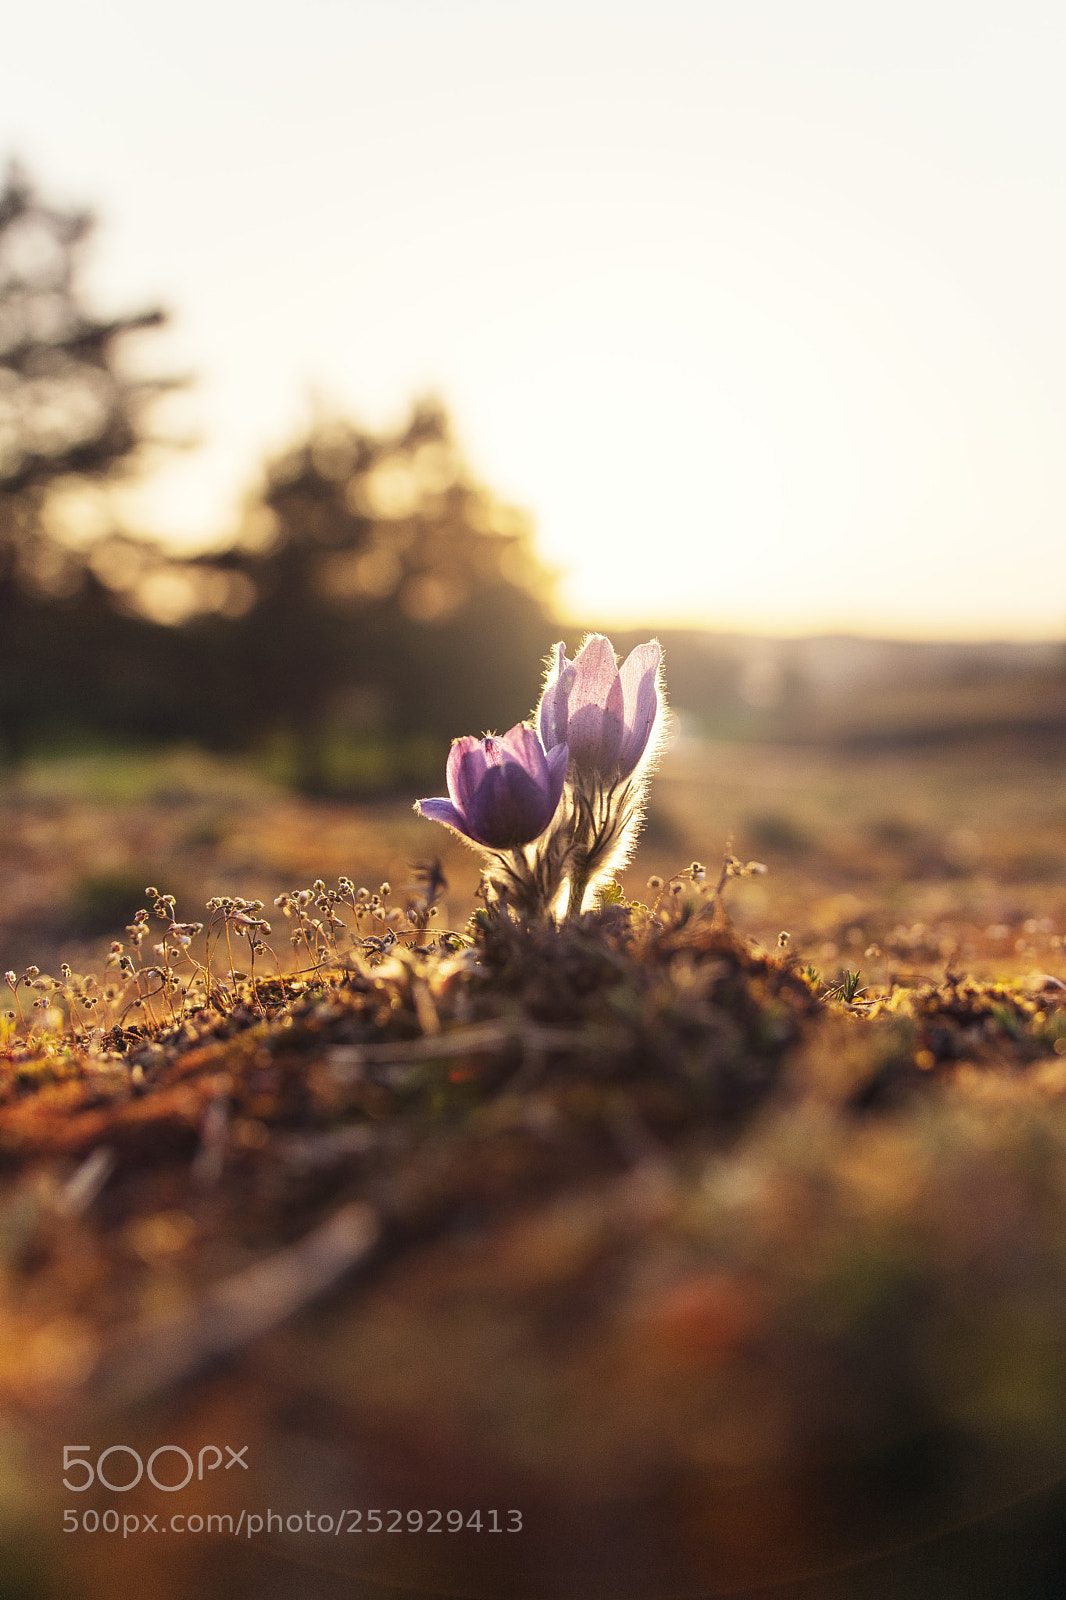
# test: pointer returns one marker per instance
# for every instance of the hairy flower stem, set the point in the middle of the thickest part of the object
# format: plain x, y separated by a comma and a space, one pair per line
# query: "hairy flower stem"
579, 882
605, 816
529, 878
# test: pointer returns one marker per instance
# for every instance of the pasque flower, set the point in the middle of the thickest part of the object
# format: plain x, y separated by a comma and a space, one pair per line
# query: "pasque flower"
504, 791
609, 717
559, 813
605, 714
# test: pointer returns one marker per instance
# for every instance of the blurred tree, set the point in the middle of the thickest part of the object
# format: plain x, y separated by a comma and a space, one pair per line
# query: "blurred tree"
69, 416
392, 597
378, 601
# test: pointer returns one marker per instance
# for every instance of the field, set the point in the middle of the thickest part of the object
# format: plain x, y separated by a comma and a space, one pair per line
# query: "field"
737, 1263
923, 852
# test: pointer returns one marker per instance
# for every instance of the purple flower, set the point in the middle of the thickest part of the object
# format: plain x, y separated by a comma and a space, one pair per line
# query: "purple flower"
504, 791
604, 714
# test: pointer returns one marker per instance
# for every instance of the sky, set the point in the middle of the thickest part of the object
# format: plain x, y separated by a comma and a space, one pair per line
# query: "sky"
759, 309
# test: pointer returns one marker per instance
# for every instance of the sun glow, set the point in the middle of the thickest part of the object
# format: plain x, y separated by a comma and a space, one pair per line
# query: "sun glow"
759, 318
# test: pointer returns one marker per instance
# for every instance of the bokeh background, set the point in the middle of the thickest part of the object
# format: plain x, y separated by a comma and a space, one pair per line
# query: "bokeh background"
408, 340
350, 357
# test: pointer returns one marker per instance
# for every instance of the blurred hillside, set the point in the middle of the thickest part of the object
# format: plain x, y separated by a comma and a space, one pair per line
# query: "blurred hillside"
841, 690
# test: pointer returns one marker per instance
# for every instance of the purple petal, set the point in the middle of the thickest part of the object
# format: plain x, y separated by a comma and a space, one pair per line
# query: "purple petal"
518, 794
640, 693
558, 760
521, 745
553, 709
467, 761
510, 808
504, 788
440, 810
597, 669
595, 724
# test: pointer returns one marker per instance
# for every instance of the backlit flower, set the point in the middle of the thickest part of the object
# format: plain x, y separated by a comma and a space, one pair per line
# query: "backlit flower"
504, 791
605, 714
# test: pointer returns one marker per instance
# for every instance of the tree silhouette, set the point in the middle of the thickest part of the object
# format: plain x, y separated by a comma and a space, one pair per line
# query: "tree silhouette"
378, 598
68, 415
392, 595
